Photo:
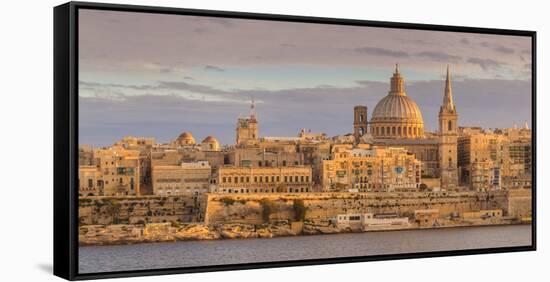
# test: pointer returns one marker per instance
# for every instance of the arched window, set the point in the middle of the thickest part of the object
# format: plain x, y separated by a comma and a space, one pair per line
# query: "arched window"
382, 130
361, 118
399, 130
450, 126
393, 130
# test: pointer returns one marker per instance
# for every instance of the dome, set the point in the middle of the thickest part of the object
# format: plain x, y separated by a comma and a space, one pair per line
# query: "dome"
210, 139
186, 138
397, 115
210, 144
397, 108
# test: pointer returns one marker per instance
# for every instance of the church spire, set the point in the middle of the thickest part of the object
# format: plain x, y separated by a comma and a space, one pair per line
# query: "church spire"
448, 104
252, 110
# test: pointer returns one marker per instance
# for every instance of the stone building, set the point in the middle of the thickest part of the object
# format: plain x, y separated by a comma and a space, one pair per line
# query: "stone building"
247, 128
370, 169
210, 143
397, 122
484, 176
90, 181
360, 123
184, 179
397, 116
185, 139
144, 146
448, 135
232, 179
509, 151
117, 173
265, 157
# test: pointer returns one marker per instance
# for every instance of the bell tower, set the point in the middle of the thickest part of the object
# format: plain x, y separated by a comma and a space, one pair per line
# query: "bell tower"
247, 128
448, 135
359, 122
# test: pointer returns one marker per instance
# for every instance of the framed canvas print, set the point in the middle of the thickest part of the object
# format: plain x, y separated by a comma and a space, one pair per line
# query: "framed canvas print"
193, 140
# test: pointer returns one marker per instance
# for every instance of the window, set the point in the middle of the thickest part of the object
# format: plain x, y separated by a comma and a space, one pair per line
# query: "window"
361, 118
90, 183
284, 163
450, 126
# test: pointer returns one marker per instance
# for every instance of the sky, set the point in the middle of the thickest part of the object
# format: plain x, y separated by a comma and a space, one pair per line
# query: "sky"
156, 75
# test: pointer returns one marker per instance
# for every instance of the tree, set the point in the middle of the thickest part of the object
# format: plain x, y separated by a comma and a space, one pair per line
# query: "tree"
423, 187
299, 209
113, 210
267, 208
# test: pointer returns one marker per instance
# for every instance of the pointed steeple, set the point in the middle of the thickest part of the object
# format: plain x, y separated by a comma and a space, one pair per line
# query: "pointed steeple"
397, 83
252, 111
448, 104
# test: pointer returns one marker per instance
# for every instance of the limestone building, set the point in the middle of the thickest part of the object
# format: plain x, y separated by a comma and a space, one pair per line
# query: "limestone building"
397, 122
397, 116
117, 173
233, 179
508, 150
370, 169
247, 128
359, 122
448, 135
186, 178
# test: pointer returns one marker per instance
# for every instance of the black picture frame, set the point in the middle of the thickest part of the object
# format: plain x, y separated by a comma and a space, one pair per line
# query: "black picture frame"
66, 137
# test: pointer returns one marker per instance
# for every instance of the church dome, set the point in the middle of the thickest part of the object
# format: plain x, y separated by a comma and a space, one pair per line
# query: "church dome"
397, 115
186, 138
210, 144
397, 108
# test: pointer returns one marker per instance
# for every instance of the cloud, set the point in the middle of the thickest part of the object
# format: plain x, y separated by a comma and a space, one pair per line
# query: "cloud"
483, 102
504, 50
439, 56
485, 64
382, 52
213, 68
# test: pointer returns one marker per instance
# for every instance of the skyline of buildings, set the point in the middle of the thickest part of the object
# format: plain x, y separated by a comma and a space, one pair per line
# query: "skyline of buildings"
389, 152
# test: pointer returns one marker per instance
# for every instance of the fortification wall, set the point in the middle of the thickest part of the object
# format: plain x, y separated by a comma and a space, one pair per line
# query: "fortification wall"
139, 210
247, 208
519, 203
